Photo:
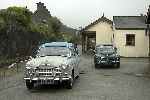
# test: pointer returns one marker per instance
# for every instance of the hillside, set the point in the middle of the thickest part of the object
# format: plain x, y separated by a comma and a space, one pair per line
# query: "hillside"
67, 29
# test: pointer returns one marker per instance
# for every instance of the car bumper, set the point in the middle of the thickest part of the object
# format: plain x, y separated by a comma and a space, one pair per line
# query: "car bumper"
107, 62
48, 80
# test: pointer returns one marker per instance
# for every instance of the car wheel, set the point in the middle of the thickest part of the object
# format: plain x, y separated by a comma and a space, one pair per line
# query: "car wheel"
29, 85
97, 65
77, 76
118, 65
70, 81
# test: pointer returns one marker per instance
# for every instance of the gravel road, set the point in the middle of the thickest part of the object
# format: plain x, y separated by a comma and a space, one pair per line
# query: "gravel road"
130, 82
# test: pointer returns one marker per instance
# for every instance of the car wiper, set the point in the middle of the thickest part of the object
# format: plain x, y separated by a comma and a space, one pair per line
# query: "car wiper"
64, 55
42, 56
45, 55
53, 55
49, 55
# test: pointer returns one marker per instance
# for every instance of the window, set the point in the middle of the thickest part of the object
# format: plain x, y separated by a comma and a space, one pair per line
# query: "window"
130, 40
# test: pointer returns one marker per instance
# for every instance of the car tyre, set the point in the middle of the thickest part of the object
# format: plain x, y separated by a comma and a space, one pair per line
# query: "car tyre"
70, 81
95, 65
118, 65
77, 76
29, 85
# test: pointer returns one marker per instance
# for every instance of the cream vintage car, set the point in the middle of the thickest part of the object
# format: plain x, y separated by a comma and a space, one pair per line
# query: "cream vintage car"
55, 62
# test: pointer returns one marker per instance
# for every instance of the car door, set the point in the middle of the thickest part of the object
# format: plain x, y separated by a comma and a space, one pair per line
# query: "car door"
76, 62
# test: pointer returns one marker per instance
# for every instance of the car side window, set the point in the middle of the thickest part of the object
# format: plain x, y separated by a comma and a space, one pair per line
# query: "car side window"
77, 51
73, 52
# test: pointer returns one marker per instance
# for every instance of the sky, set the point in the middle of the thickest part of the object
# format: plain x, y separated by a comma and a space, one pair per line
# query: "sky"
80, 13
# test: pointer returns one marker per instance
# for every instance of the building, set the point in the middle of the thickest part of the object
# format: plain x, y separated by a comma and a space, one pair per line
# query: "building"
130, 36
41, 14
127, 33
98, 32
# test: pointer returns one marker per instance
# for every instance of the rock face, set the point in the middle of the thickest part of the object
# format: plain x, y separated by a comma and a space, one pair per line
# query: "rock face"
41, 14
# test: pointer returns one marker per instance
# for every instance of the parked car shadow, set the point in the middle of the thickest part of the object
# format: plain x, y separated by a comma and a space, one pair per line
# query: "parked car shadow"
106, 67
51, 88
48, 88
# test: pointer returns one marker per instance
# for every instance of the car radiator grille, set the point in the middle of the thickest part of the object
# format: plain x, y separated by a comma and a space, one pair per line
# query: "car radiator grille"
108, 59
48, 72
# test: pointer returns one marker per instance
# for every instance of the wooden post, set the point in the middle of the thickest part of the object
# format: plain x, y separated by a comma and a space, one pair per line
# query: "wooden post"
148, 33
82, 42
148, 26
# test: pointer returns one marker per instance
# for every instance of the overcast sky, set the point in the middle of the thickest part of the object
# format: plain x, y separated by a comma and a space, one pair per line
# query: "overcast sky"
76, 13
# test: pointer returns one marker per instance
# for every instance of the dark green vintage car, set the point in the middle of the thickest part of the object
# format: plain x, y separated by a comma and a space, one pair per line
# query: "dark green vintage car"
106, 55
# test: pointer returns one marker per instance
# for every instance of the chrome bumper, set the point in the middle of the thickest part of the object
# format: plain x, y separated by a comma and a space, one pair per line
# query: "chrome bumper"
48, 78
108, 62
47, 74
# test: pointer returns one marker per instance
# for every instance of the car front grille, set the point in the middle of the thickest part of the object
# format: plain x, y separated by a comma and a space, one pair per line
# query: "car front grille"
108, 59
45, 70
48, 72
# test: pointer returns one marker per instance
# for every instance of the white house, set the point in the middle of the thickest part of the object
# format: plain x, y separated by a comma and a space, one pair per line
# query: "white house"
127, 33
130, 36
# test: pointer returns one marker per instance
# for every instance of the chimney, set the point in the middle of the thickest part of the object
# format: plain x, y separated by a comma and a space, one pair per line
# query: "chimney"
40, 5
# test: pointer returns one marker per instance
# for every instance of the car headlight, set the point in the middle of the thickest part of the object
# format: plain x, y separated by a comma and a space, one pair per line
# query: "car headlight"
113, 55
30, 71
118, 58
64, 66
98, 56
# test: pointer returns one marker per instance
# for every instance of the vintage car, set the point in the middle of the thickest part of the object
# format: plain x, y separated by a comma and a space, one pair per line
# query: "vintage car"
106, 55
54, 63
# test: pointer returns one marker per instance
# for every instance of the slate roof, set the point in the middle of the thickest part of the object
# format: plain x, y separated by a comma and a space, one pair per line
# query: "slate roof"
101, 19
129, 22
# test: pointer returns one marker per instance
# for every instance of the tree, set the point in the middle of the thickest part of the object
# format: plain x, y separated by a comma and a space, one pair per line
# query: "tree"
19, 34
16, 31
50, 29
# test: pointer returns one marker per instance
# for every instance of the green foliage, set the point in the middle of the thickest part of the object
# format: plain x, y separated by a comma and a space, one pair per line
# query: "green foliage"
54, 23
5, 61
70, 37
20, 35
16, 34
16, 15
50, 29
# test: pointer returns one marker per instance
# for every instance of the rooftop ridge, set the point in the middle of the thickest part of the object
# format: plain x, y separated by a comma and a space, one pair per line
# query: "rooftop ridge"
129, 16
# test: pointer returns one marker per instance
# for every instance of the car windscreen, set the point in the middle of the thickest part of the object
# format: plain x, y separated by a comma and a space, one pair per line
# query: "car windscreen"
53, 51
105, 49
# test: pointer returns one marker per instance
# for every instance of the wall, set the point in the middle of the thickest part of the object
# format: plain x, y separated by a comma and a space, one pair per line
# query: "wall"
141, 48
103, 32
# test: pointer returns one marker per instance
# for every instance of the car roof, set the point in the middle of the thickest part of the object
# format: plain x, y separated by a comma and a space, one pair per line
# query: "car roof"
57, 44
104, 45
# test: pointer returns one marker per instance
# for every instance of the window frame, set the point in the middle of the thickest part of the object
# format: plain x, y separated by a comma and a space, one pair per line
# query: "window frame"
130, 39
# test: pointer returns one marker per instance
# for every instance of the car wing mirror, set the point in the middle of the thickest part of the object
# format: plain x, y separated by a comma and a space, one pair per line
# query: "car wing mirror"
115, 49
30, 57
94, 51
69, 55
79, 54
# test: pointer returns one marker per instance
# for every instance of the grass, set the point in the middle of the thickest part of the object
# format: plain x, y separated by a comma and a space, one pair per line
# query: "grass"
6, 61
6, 72
4, 64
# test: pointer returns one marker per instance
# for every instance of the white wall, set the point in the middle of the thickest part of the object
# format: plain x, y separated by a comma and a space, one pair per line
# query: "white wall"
141, 48
103, 32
